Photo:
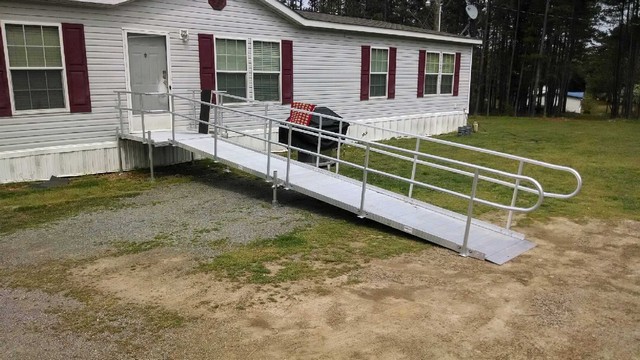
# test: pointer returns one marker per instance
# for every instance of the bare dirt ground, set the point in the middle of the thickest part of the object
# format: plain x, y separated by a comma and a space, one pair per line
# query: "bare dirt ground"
575, 296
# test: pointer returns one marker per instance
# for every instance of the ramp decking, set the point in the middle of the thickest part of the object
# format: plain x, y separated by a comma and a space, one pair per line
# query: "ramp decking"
434, 224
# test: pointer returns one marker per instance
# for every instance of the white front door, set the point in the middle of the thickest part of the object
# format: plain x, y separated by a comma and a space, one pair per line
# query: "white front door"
147, 55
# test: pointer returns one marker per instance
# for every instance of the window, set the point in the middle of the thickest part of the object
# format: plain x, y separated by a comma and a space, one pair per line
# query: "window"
379, 72
266, 71
36, 67
256, 76
431, 74
231, 60
446, 79
439, 73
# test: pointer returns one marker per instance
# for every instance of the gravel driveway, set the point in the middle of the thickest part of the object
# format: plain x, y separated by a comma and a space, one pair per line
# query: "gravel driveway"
188, 216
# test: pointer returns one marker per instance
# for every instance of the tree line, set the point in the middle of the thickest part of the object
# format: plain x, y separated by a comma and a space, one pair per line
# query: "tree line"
534, 51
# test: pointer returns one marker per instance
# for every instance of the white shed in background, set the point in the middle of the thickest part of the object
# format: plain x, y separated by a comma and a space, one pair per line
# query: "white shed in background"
574, 102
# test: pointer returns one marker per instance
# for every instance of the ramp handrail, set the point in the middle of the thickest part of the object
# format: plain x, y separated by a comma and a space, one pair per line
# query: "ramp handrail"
525, 160
520, 159
415, 157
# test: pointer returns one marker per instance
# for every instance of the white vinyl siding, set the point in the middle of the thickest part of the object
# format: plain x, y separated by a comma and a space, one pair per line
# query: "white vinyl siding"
34, 58
379, 72
266, 71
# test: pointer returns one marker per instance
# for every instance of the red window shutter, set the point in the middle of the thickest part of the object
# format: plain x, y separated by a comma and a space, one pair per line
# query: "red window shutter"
5, 99
422, 58
456, 75
365, 72
287, 71
75, 57
391, 93
207, 57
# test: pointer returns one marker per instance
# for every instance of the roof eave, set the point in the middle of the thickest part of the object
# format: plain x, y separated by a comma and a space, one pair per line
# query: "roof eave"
314, 24
90, 3
298, 19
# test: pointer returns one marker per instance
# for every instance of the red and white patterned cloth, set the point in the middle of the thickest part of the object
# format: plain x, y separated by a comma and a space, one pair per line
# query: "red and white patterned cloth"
298, 117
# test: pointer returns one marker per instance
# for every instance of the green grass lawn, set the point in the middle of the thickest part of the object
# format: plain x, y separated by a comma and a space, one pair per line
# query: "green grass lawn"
605, 153
328, 249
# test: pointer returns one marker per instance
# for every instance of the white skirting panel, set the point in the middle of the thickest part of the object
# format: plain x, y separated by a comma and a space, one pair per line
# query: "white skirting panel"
420, 124
75, 160
370, 129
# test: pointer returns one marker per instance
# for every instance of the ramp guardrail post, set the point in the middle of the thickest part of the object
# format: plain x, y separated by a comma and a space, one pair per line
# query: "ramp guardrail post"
270, 125
319, 142
150, 146
515, 195
216, 132
194, 110
340, 140
274, 202
364, 181
220, 101
142, 116
288, 156
173, 118
464, 251
413, 168
119, 146
120, 111
266, 115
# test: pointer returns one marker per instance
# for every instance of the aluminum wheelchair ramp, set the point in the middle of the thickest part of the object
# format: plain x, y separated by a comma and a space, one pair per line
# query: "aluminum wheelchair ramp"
486, 241
462, 233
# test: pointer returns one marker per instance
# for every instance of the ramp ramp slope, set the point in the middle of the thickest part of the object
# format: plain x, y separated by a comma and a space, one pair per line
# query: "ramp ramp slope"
425, 221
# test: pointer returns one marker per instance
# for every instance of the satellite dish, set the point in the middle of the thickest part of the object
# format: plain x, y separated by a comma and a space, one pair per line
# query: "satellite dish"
472, 11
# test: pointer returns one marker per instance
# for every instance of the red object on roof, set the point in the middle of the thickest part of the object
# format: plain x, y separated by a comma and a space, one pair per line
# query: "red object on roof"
298, 117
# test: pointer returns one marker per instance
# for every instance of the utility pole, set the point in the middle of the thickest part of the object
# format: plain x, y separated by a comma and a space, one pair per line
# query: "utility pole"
439, 4
437, 19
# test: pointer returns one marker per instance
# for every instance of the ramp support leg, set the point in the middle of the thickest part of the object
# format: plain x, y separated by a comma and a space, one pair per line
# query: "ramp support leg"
286, 185
173, 119
364, 181
274, 202
268, 137
465, 249
319, 143
119, 144
150, 146
340, 140
216, 130
413, 167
